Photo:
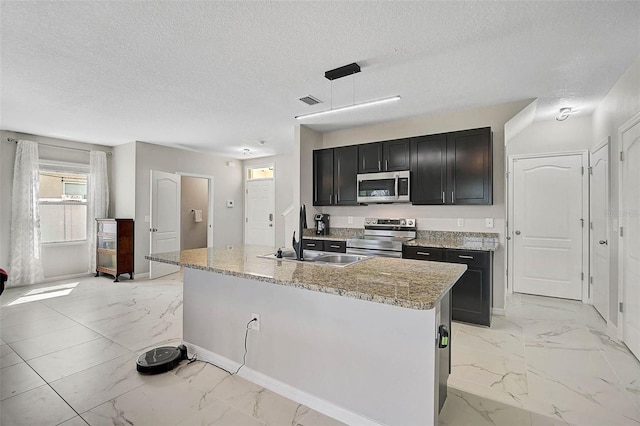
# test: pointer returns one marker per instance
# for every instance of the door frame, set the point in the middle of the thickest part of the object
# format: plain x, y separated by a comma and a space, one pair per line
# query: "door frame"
246, 200
160, 266
585, 210
605, 143
210, 215
626, 126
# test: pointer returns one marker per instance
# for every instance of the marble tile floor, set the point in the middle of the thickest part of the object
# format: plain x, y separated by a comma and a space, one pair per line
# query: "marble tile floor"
545, 362
69, 360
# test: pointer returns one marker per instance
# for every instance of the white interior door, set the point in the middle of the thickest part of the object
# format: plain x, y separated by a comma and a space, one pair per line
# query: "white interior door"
630, 240
547, 227
165, 220
599, 214
260, 212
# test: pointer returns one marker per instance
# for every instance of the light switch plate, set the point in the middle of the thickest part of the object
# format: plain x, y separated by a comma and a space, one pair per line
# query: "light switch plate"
460, 222
488, 222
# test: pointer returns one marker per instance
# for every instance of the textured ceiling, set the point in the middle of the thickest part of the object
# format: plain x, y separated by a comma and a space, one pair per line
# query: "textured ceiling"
222, 76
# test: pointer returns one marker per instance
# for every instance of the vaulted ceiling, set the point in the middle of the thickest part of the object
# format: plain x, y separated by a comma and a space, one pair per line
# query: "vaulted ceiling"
223, 76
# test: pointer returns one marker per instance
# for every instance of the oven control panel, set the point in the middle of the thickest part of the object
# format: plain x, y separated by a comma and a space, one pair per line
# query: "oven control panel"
409, 223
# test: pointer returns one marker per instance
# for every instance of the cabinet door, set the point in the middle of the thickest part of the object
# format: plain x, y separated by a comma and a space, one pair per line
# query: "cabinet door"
470, 297
396, 155
345, 173
428, 169
322, 177
370, 157
470, 171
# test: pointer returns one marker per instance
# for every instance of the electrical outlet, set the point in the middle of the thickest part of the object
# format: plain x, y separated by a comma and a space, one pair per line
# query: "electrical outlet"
350, 220
255, 325
460, 222
488, 222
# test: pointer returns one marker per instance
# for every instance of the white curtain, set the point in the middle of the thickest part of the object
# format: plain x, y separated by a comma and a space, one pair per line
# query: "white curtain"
97, 199
26, 261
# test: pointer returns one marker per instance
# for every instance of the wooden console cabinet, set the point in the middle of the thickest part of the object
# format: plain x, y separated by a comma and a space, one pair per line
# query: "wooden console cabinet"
114, 247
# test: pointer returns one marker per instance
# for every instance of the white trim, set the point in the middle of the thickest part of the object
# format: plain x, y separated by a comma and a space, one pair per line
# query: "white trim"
67, 277
54, 244
604, 144
281, 388
210, 208
585, 211
246, 201
499, 311
613, 331
626, 126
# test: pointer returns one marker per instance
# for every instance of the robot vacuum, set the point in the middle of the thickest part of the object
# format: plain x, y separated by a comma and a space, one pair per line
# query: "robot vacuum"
162, 359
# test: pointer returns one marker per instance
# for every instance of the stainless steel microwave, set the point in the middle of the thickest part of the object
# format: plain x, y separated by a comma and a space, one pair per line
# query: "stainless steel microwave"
385, 187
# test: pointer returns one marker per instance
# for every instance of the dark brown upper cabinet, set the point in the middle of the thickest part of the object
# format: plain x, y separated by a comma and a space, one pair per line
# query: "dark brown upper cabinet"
453, 168
388, 156
334, 176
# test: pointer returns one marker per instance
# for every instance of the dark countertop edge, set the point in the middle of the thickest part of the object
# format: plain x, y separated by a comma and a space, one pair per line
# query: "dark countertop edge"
319, 289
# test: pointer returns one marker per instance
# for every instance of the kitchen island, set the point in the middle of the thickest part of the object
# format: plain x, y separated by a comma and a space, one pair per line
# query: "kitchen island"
357, 343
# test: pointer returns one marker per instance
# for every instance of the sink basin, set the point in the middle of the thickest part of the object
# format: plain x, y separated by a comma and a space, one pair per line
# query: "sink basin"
318, 257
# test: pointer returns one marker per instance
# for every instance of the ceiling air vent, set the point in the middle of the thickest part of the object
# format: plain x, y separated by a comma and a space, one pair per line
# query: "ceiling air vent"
310, 100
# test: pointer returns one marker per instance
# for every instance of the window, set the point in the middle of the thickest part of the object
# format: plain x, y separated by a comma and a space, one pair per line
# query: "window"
260, 173
63, 205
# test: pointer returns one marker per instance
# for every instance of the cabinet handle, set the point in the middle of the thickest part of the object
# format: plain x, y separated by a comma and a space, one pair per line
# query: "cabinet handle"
311, 244
332, 246
461, 256
330, 198
443, 198
423, 253
338, 198
379, 166
451, 197
386, 164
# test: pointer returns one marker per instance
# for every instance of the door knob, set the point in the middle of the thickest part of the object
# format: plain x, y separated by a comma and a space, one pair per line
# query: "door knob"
517, 232
603, 242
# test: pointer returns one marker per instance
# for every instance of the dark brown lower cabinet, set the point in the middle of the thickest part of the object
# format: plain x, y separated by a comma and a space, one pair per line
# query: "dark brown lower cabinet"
471, 296
324, 245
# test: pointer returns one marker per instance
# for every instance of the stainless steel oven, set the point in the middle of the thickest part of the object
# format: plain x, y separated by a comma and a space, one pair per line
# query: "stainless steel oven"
383, 237
386, 187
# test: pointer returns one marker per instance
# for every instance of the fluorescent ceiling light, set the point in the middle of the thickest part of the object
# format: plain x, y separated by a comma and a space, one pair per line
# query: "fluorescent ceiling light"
349, 107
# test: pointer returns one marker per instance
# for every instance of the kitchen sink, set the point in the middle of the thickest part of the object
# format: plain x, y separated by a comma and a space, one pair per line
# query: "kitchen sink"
319, 258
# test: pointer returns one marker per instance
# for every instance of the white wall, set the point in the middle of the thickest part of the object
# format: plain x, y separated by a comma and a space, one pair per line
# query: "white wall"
284, 178
573, 134
620, 104
227, 222
428, 217
58, 260
124, 181
194, 195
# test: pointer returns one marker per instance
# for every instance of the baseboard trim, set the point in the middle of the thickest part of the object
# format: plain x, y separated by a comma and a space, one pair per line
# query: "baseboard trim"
498, 311
66, 277
612, 331
288, 391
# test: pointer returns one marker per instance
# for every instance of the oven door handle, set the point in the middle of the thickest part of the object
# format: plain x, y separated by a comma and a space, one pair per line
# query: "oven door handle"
373, 252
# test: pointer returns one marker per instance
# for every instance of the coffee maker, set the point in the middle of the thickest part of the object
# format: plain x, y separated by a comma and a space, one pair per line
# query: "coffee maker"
322, 224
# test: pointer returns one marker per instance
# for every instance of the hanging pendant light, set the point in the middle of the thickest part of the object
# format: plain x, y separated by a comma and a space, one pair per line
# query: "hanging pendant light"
340, 72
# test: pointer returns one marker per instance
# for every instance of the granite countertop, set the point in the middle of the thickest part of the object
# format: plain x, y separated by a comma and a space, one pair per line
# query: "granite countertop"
414, 284
480, 241
335, 234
